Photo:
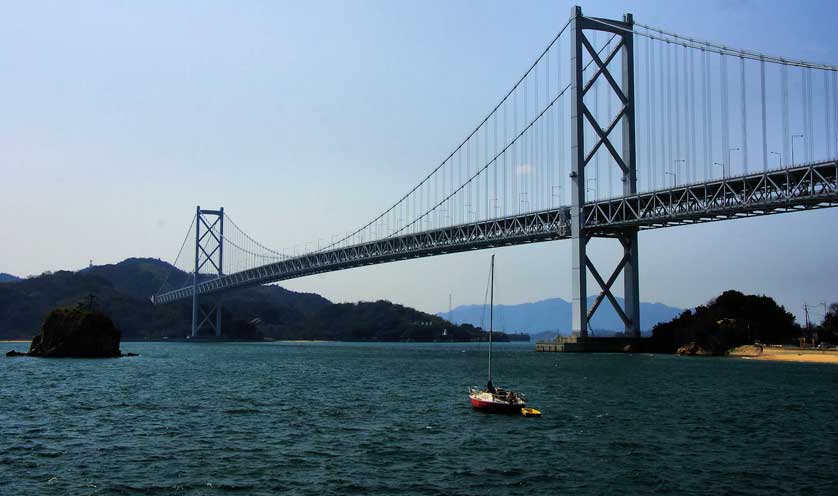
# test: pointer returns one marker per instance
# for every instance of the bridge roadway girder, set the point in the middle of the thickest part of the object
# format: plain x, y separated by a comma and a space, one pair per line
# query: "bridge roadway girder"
519, 229
791, 189
794, 189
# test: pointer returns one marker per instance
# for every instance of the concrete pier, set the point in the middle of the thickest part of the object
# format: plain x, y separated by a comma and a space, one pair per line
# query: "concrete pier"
579, 344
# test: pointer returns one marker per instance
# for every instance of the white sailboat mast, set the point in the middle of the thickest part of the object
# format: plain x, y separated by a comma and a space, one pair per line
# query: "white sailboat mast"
491, 312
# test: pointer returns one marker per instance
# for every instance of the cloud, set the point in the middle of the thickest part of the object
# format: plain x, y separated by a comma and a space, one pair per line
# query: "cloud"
524, 170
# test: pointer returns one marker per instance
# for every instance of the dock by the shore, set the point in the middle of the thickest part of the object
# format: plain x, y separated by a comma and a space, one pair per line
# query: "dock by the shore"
578, 344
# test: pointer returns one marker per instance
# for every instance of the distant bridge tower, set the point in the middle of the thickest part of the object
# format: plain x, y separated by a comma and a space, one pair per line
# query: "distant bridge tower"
582, 154
209, 250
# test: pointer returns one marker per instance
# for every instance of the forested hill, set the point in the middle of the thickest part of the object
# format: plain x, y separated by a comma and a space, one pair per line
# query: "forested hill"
8, 277
143, 277
732, 319
122, 291
385, 321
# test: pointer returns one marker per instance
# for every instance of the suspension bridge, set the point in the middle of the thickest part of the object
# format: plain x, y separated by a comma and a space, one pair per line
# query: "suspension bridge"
616, 127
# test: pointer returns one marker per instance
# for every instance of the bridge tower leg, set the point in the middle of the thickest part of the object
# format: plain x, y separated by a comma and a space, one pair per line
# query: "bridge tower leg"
581, 154
209, 250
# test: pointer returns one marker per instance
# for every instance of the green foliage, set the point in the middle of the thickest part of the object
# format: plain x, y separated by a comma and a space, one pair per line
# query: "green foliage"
382, 321
122, 291
79, 331
143, 277
828, 330
731, 320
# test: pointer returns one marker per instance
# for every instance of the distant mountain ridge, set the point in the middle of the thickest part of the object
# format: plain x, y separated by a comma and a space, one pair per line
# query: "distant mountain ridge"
554, 316
4, 277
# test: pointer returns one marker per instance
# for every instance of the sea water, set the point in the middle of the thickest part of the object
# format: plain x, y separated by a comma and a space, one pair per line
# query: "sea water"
363, 418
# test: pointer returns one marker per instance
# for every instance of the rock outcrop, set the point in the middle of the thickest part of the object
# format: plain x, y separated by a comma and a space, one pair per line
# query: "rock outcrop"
76, 332
694, 349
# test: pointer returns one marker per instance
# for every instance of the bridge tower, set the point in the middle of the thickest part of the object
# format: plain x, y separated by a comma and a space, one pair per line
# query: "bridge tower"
582, 153
209, 250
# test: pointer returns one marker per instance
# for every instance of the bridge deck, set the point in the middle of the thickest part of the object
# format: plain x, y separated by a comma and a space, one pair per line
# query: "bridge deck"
783, 190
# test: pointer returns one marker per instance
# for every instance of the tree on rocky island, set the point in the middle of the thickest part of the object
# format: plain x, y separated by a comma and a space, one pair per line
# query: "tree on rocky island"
731, 320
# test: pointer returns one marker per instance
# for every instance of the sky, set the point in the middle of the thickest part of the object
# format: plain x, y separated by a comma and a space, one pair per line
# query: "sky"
305, 119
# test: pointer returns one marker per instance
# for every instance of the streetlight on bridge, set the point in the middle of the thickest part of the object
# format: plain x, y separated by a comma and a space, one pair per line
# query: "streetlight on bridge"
779, 156
675, 170
494, 201
673, 177
555, 195
522, 200
589, 189
729, 169
722, 166
801, 136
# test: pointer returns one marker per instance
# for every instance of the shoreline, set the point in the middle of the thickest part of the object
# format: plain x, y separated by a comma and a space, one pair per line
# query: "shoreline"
223, 340
745, 352
781, 354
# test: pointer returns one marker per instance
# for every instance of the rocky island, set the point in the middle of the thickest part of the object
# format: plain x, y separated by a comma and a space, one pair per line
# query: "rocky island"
75, 332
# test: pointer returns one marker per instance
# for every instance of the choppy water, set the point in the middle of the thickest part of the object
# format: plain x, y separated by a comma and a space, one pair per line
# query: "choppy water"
323, 418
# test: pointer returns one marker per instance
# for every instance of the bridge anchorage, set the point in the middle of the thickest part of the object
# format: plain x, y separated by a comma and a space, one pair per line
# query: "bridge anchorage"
597, 140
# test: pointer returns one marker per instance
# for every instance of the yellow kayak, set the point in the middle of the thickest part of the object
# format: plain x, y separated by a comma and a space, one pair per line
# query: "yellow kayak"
530, 412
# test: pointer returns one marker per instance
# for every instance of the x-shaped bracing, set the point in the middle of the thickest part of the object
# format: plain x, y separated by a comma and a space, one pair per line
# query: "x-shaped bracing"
603, 135
207, 317
208, 256
605, 286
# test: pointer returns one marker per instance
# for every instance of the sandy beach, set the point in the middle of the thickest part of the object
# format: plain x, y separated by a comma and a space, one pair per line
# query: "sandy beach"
778, 354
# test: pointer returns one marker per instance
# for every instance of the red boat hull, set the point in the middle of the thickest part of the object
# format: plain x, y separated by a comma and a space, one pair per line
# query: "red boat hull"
493, 407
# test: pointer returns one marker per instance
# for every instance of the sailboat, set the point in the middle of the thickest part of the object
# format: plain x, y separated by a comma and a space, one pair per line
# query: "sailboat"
450, 317
493, 399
